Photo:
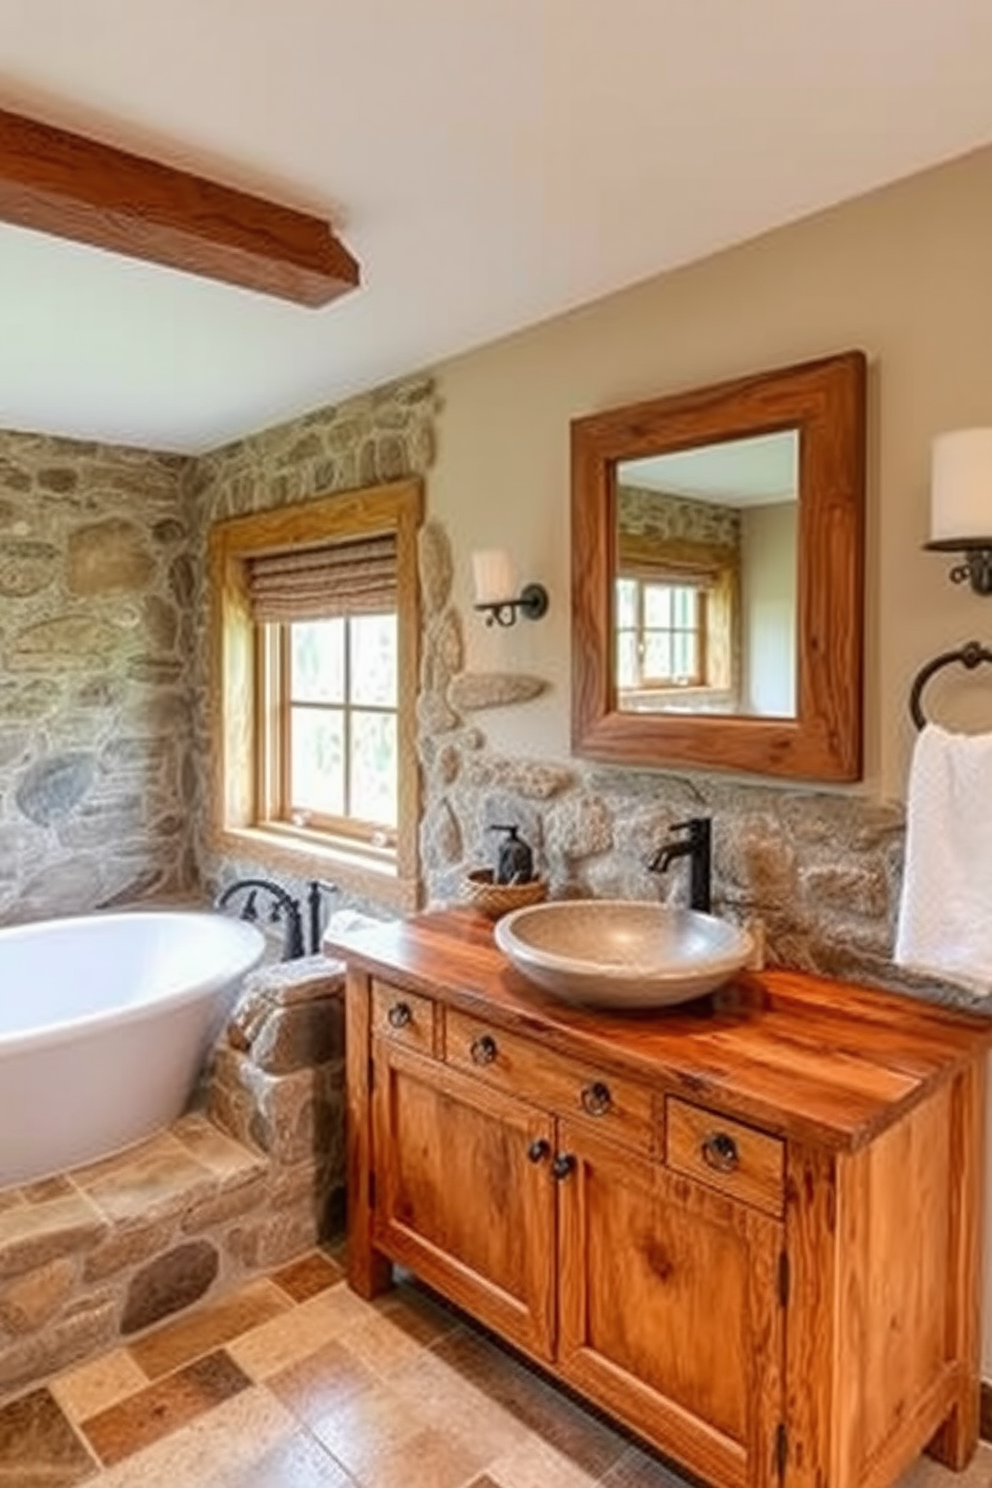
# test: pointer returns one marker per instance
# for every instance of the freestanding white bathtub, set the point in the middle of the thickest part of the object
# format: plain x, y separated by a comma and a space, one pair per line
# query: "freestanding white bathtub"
105, 1021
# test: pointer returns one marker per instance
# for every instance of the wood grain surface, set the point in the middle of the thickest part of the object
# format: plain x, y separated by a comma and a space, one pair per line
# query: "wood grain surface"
799, 1055
825, 402
72, 187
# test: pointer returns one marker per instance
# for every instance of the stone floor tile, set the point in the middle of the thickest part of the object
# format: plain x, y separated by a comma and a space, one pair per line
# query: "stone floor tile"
422, 1316
312, 1273
442, 1398
162, 1408
93, 1387
297, 1462
637, 1469
582, 1438
533, 1464
431, 1459
146, 1183
925, 1473
275, 1345
38, 1447
314, 1387
379, 1343
228, 1439
367, 1429
177, 1343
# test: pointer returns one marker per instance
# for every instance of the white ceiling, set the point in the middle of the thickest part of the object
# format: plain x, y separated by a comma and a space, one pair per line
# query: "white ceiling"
757, 471
490, 162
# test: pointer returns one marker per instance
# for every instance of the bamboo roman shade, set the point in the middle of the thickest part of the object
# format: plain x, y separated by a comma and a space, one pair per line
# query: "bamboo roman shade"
322, 583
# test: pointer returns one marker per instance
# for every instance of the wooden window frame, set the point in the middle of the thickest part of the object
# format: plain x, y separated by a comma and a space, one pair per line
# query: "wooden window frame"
640, 630
243, 774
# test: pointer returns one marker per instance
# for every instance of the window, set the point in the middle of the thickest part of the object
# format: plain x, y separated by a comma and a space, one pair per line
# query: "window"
316, 631
661, 634
333, 686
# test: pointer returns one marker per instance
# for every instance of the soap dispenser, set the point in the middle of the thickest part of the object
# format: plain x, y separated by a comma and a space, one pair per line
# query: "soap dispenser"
515, 863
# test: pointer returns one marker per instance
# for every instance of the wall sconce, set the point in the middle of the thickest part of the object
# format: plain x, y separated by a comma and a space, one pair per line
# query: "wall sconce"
961, 504
494, 588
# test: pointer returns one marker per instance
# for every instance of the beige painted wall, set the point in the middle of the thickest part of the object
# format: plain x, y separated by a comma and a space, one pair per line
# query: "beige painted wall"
902, 273
768, 607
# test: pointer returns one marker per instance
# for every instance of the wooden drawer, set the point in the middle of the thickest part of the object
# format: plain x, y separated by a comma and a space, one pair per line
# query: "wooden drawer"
405, 1017
619, 1108
746, 1164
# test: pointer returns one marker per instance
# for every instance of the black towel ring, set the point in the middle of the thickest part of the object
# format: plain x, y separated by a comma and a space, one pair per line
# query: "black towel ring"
970, 656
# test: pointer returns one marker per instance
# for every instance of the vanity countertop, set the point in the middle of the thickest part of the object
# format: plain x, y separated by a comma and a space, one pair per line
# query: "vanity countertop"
818, 1060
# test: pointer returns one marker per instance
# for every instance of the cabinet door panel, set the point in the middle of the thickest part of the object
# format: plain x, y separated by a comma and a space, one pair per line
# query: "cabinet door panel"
458, 1197
669, 1311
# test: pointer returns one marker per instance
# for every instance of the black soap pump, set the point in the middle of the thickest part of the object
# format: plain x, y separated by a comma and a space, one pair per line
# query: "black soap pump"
515, 864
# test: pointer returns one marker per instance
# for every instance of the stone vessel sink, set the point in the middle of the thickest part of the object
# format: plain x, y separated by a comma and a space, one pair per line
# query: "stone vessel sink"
622, 953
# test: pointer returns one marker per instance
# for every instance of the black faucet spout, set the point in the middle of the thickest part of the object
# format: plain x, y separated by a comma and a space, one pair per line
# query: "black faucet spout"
284, 907
697, 847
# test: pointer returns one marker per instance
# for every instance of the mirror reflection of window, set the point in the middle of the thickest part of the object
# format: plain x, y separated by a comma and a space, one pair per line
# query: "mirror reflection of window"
705, 592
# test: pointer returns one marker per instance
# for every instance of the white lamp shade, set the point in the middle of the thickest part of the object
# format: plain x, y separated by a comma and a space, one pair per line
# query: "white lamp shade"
493, 575
961, 485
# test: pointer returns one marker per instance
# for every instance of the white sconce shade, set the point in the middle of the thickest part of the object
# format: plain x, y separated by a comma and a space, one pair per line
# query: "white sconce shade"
493, 575
961, 486
495, 590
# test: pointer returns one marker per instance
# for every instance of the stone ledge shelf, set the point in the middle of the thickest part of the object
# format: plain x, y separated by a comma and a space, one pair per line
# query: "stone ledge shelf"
105, 1251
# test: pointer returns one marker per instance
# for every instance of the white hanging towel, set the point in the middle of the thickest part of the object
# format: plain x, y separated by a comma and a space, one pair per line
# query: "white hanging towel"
945, 913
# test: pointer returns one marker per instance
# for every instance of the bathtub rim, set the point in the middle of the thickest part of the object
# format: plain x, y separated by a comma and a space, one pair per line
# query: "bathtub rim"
52, 1035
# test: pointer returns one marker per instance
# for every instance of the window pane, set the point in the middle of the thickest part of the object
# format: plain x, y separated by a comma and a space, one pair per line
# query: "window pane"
658, 606
317, 760
373, 660
373, 767
657, 654
626, 603
685, 655
626, 658
685, 608
317, 652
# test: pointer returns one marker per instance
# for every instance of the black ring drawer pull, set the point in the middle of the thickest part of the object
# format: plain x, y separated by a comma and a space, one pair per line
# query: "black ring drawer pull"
562, 1165
596, 1099
483, 1049
720, 1152
538, 1150
399, 1015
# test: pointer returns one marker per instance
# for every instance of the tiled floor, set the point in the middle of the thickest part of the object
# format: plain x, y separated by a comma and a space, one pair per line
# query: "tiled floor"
294, 1382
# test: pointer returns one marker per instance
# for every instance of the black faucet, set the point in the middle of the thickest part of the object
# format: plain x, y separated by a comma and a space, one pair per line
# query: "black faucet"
697, 847
284, 907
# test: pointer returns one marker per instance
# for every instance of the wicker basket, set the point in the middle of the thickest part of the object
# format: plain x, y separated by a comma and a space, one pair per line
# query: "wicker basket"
495, 899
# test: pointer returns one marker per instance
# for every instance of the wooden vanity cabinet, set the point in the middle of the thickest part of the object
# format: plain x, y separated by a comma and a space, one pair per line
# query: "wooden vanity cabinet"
462, 1194
669, 1313
749, 1230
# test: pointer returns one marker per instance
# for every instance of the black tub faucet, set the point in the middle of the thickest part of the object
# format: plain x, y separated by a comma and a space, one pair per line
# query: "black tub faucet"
697, 847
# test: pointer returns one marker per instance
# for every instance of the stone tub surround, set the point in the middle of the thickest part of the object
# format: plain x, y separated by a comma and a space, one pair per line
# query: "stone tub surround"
294, 1382
104, 1252
276, 1079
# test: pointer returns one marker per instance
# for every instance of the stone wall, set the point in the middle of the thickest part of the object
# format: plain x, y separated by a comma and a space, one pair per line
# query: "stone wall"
644, 513
96, 771
379, 437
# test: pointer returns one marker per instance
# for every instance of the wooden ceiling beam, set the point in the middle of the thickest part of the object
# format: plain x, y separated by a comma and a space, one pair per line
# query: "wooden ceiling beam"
56, 182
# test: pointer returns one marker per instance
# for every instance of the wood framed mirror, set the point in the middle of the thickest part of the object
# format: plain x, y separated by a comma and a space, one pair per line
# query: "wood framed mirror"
718, 575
